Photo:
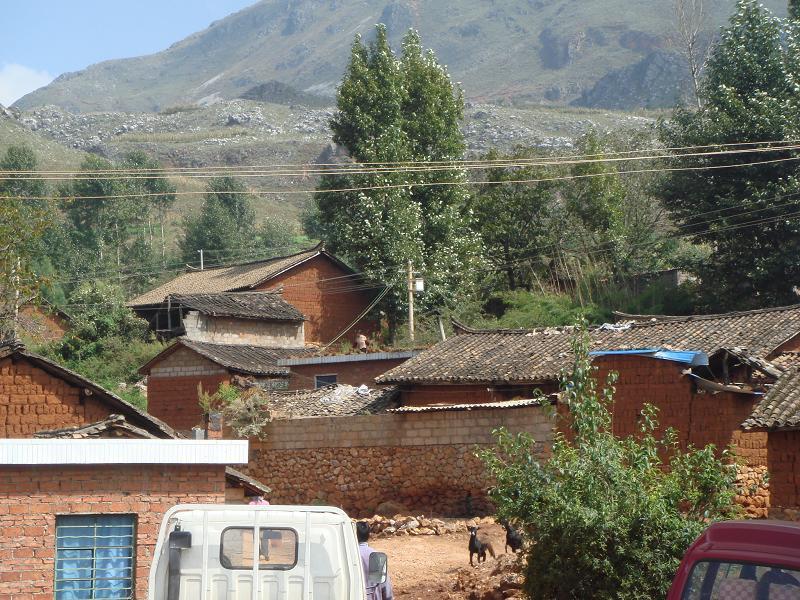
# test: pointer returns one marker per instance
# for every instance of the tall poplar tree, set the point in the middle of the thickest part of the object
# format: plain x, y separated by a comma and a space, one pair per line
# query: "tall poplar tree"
393, 110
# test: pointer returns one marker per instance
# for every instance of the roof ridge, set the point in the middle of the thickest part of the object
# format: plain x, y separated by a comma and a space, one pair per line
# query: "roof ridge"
710, 316
319, 248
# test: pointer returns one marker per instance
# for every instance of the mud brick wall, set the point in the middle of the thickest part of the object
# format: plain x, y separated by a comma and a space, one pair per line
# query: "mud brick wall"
784, 473
699, 418
323, 292
172, 387
32, 400
425, 461
32, 498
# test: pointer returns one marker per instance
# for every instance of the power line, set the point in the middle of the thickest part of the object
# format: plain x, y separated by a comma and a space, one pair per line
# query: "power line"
419, 168
409, 185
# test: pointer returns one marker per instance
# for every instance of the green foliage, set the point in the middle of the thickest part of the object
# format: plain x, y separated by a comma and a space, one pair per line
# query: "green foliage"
794, 9
395, 110
750, 94
610, 518
22, 223
225, 226
106, 341
525, 310
246, 412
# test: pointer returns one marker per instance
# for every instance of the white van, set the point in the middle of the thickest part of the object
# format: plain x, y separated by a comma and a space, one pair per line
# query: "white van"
227, 552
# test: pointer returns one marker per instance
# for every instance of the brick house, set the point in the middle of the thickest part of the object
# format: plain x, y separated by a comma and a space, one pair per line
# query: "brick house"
173, 376
706, 402
99, 464
330, 294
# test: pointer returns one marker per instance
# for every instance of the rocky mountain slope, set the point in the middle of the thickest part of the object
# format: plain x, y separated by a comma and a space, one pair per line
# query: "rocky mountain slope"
551, 50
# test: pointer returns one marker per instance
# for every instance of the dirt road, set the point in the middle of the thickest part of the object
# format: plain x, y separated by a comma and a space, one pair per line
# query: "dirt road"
424, 567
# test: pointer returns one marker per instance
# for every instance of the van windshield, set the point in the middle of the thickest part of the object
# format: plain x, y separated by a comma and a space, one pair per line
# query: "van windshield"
719, 580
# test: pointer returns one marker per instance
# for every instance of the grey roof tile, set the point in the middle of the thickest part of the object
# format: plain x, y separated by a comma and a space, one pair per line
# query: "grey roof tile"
268, 306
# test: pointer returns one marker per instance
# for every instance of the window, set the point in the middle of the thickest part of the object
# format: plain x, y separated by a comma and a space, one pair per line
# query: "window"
716, 580
277, 548
323, 380
94, 557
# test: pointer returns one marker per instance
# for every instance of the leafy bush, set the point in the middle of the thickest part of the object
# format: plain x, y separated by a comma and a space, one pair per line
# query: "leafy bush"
524, 309
246, 412
609, 517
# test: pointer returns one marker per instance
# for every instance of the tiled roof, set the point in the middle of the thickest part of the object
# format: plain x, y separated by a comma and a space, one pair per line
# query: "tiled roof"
112, 426
503, 404
780, 407
246, 305
227, 279
250, 360
332, 401
539, 355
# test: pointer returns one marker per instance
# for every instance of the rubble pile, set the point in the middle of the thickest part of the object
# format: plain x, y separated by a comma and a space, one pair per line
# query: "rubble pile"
420, 525
499, 579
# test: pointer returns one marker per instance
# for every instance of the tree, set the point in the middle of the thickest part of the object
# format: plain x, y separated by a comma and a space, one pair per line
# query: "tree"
22, 222
794, 9
160, 191
515, 220
750, 94
691, 21
618, 512
225, 227
392, 111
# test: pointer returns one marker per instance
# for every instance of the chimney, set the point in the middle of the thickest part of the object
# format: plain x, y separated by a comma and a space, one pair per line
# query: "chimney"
214, 426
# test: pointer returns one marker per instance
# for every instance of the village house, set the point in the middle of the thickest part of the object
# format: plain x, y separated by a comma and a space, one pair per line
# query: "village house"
77, 465
332, 297
706, 374
352, 369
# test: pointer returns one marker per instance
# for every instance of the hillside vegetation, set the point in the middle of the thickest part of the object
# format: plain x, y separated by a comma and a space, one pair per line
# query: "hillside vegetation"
516, 49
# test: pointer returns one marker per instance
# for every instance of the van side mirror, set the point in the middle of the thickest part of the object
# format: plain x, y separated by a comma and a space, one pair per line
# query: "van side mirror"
180, 539
377, 569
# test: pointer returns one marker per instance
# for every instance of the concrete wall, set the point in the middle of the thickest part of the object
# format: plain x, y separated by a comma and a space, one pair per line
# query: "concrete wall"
32, 498
424, 460
247, 332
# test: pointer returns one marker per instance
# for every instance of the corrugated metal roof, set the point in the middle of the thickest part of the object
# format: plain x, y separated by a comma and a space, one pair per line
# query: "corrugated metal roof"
122, 452
503, 404
695, 358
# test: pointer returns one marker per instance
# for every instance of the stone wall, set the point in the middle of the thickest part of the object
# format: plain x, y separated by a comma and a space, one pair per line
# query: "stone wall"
423, 460
246, 332
32, 498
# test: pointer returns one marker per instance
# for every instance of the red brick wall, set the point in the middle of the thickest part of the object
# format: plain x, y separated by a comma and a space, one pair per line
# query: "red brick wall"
31, 498
32, 400
351, 373
172, 387
329, 305
784, 471
699, 419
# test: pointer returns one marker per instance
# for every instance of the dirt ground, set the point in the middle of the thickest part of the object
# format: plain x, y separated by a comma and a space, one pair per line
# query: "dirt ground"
424, 567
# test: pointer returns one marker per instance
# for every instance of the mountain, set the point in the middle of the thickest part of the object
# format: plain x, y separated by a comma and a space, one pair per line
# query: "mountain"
521, 50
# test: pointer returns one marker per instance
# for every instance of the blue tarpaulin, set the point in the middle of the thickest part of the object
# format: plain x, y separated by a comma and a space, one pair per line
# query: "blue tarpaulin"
695, 358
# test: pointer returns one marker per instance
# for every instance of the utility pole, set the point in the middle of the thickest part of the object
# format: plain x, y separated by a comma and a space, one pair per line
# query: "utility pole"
201, 259
411, 300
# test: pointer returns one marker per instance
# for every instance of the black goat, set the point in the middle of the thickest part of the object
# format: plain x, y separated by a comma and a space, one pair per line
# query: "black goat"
479, 547
513, 537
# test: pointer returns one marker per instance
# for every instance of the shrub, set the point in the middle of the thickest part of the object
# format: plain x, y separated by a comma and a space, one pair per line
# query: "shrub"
609, 517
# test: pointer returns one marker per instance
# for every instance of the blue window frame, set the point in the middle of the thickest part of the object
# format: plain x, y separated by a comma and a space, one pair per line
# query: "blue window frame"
94, 557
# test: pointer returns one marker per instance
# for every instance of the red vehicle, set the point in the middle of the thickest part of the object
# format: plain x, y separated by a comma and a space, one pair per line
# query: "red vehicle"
741, 560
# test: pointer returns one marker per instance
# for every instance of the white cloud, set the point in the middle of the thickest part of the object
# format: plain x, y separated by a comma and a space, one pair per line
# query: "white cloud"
17, 80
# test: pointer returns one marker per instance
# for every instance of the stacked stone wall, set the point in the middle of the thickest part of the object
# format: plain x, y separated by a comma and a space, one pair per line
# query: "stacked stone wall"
426, 461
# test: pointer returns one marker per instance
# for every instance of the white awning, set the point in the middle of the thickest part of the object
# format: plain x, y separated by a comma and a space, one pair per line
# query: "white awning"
122, 452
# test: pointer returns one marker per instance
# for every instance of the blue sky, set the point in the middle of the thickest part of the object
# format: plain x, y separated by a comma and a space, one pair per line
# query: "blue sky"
40, 39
